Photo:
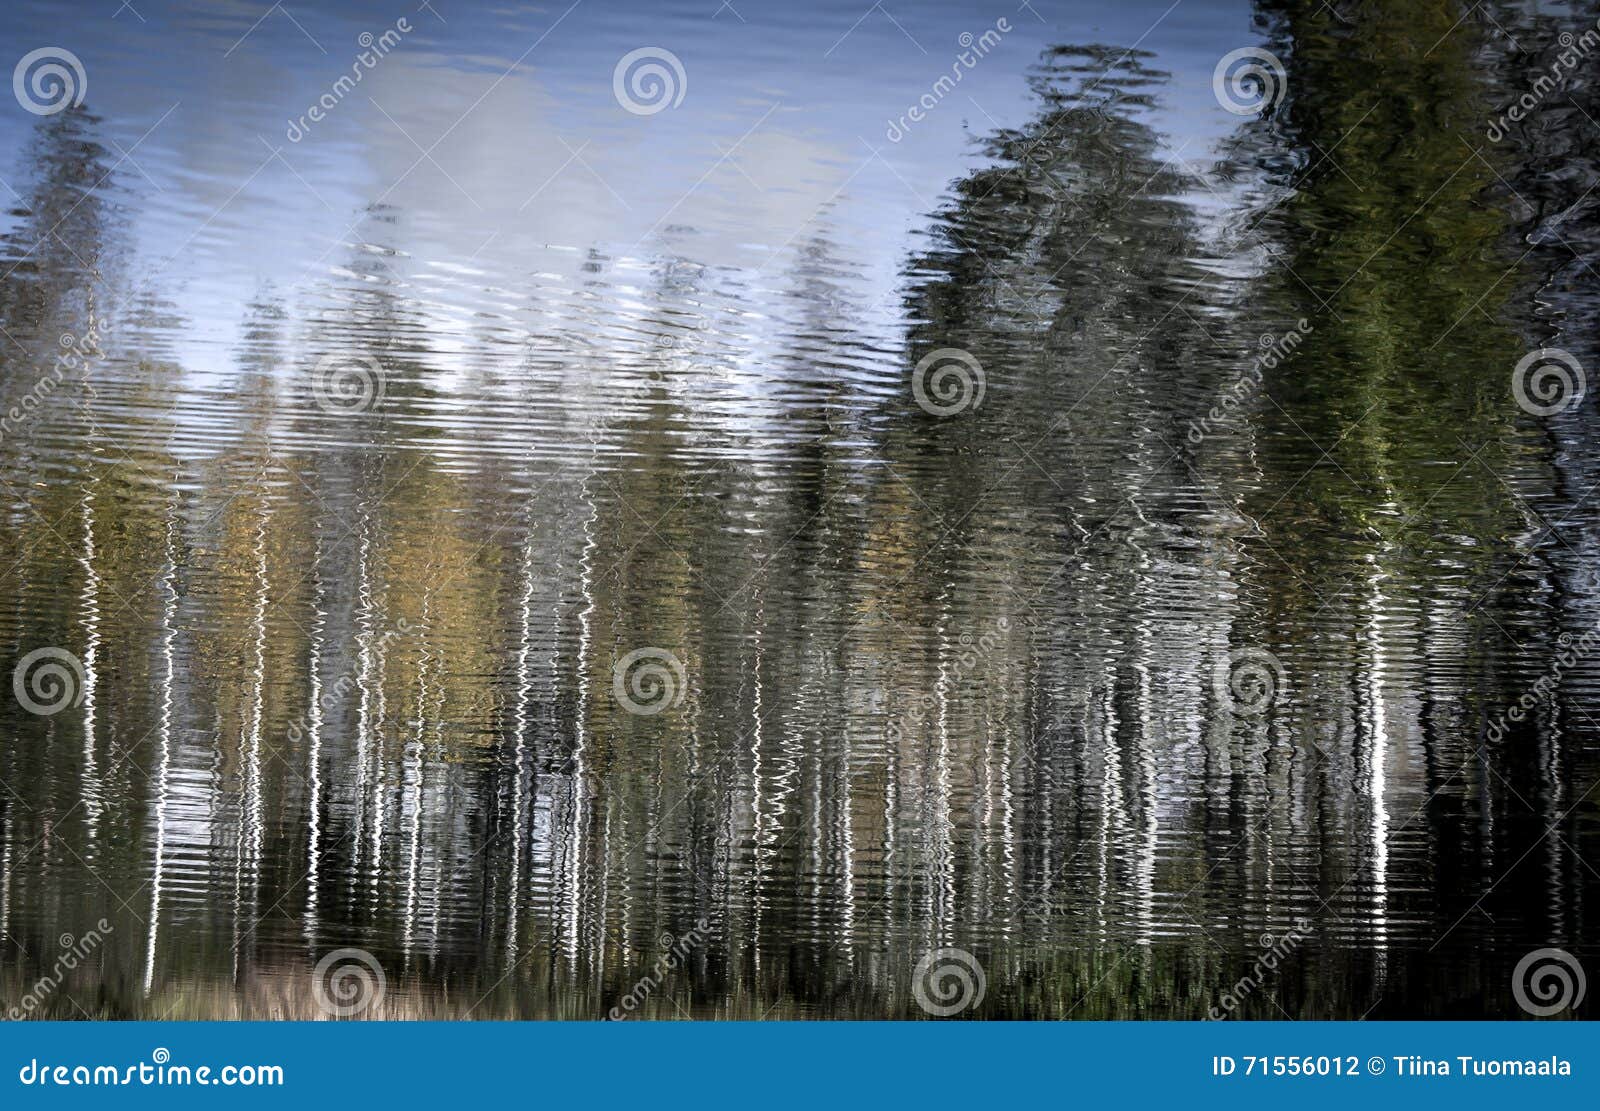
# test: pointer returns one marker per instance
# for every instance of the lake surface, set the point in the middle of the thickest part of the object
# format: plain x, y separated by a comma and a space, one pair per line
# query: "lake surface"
766, 529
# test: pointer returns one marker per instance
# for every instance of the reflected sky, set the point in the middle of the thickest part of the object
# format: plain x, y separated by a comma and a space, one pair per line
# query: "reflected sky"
495, 141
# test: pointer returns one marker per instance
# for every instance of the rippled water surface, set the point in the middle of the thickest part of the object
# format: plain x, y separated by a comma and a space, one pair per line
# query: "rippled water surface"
783, 532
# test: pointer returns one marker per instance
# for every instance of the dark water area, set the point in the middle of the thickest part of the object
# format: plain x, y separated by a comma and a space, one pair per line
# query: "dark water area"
800, 534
